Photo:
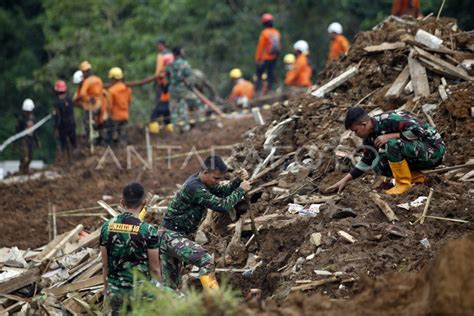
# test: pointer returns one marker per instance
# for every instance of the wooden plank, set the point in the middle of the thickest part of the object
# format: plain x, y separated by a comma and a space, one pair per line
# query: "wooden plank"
19, 281
347, 236
384, 207
76, 286
468, 166
70, 235
90, 272
427, 205
90, 241
450, 70
442, 92
336, 82
314, 284
273, 166
398, 85
418, 77
384, 47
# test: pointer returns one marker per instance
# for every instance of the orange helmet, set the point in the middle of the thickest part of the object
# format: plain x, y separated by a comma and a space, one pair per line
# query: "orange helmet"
60, 86
267, 17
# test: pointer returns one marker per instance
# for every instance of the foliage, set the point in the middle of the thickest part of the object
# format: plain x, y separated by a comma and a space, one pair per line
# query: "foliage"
45, 41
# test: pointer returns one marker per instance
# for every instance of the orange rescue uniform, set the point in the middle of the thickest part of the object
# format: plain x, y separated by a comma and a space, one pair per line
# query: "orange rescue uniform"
300, 74
268, 45
120, 100
339, 45
242, 88
92, 96
406, 7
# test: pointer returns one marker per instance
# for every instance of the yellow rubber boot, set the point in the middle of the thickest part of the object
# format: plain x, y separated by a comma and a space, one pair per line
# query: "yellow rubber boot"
154, 127
209, 282
417, 177
401, 173
169, 128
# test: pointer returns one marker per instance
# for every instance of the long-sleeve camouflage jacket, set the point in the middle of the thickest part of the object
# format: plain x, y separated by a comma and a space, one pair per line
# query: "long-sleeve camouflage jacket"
410, 129
178, 73
188, 207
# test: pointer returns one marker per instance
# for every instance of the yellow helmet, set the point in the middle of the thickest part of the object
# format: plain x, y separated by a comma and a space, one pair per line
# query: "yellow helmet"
84, 66
154, 127
235, 73
116, 73
289, 59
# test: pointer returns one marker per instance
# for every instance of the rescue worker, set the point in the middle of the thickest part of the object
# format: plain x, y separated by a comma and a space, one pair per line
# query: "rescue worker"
128, 244
339, 44
289, 61
64, 122
77, 79
184, 215
120, 96
299, 76
162, 107
406, 7
268, 49
395, 144
243, 90
179, 74
27, 143
91, 96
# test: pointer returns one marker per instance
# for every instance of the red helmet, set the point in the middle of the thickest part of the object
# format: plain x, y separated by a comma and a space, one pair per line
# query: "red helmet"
267, 17
60, 86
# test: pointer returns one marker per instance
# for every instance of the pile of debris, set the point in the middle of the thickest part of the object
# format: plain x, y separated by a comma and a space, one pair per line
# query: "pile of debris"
294, 237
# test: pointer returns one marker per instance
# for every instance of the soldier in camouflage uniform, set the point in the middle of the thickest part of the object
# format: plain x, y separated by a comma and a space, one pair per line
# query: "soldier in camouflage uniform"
179, 76
127, 244
395, 144
185, 213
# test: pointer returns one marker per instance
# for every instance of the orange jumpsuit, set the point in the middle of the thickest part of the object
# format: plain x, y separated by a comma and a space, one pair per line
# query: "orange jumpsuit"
300, 74
268, 45
339, 45
92, 96
242, 88
120, 100
406, 7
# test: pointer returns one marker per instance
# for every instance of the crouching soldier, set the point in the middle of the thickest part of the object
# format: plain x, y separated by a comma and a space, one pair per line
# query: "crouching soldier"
396, 145
185, 213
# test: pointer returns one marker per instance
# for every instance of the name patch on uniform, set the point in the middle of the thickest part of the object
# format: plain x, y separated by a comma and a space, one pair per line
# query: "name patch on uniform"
124, 228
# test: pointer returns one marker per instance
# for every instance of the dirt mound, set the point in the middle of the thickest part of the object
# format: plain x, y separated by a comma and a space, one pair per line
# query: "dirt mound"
434, 291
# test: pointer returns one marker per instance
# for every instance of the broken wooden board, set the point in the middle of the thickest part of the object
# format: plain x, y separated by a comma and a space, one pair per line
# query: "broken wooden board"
19, 281
348, 237
336, 82
90, 241
418, 77
261, 220
398, 85
314, 284
442, 92
384, 46
384, 207
468, 166
68, 236
77, 286
438, 65
304, 199
270, 168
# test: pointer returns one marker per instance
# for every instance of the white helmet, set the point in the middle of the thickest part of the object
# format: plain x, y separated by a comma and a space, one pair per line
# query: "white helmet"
335, 27
302, 46
78, 77
28, 105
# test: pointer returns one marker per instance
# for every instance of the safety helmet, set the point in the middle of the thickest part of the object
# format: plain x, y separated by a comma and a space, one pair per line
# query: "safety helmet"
154, 127
84, 66
77, 77
302, 46
267, 17
60, 86
289, 59
28, 105
116, 73
235, 73
335, 27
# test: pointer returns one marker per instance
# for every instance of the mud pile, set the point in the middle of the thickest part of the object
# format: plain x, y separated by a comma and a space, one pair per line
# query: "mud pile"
304, 148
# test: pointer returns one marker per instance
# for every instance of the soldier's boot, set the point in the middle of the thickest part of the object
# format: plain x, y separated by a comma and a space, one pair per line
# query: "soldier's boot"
169, 128
402, 175
209, 282
417, 177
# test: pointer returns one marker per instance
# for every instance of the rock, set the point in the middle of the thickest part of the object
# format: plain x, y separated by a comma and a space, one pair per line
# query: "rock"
315, 239
201, 238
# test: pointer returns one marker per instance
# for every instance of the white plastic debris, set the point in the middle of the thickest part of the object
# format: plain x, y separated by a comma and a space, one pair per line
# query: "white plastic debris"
418, 202
16, 259
310, 257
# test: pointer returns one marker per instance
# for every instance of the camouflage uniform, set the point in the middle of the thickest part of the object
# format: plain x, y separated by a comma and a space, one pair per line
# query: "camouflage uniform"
419, 143
185, 213
179, 72
127, 240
